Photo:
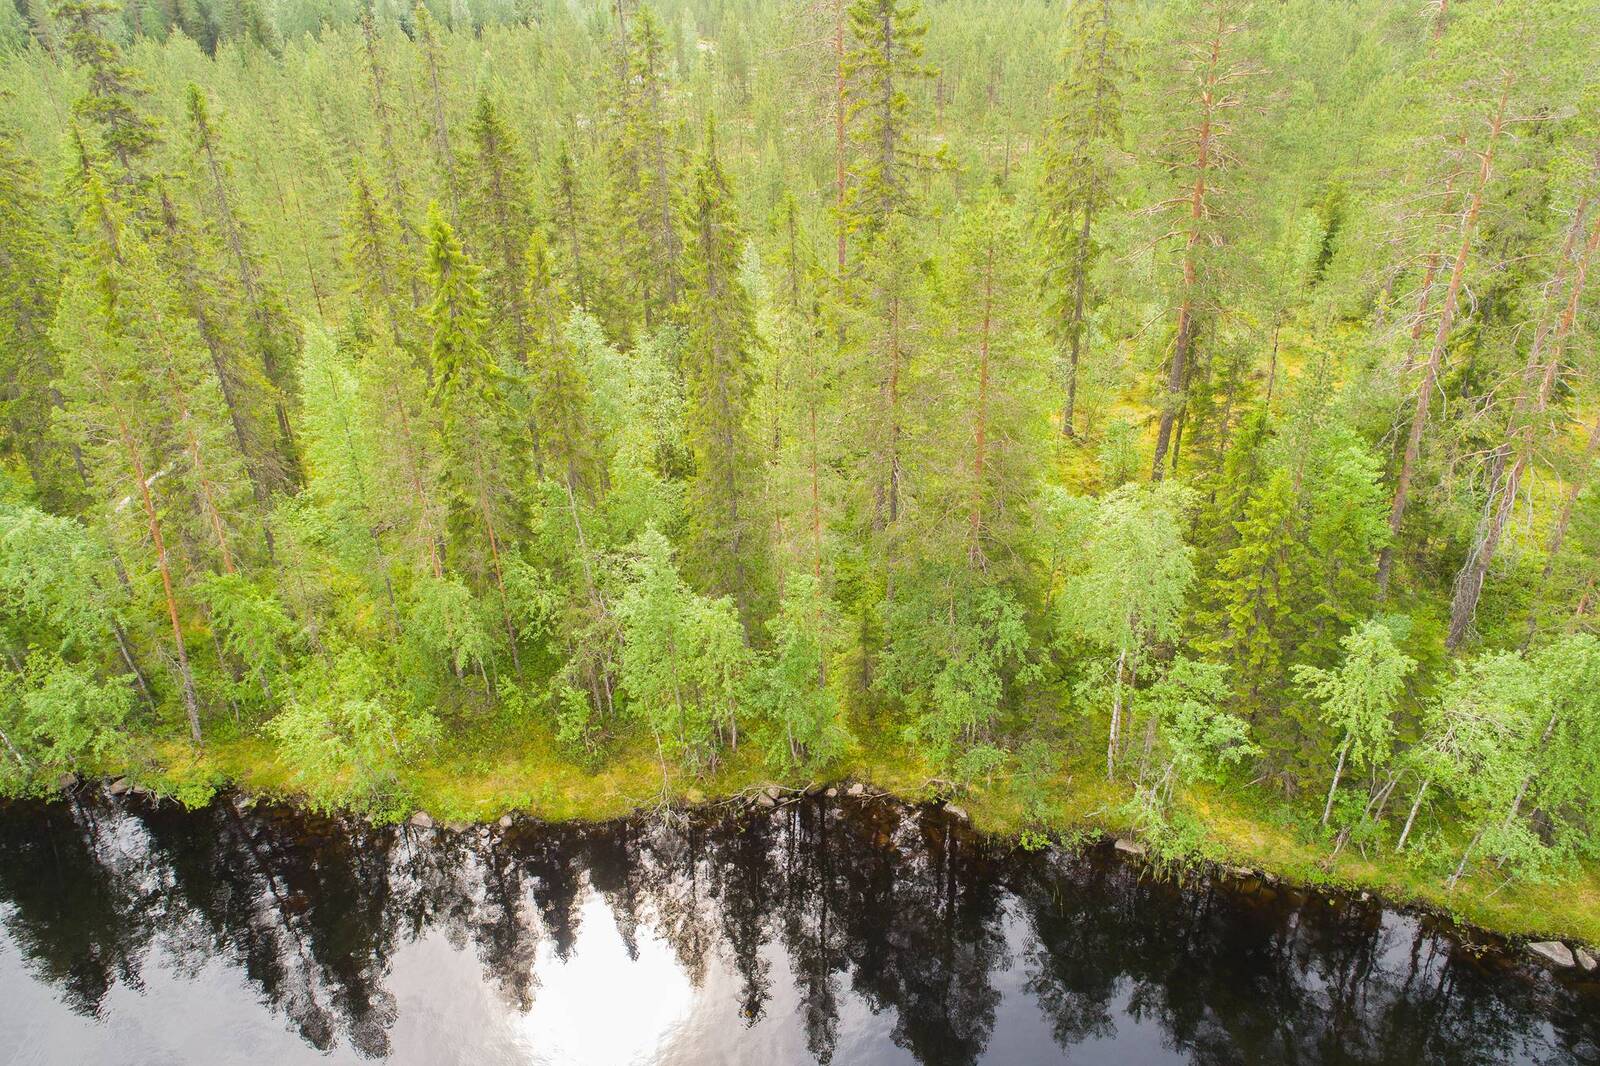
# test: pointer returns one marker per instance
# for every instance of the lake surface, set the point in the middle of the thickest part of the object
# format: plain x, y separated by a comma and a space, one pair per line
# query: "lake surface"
857, 932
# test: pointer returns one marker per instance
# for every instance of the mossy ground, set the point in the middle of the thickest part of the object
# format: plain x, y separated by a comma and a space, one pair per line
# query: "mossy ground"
499, 771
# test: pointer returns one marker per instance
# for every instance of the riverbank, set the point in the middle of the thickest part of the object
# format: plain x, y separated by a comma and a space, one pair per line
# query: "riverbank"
531, 775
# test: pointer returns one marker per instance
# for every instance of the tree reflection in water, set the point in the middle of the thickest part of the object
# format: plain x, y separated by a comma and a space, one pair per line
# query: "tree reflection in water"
828, 930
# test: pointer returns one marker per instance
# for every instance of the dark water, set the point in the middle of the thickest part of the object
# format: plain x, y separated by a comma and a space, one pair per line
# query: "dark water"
852, 932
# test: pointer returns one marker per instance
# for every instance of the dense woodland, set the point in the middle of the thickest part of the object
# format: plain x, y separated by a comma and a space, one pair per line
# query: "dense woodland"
1196, 394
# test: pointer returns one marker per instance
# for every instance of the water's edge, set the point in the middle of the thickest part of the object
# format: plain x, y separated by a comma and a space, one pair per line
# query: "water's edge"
1235, 876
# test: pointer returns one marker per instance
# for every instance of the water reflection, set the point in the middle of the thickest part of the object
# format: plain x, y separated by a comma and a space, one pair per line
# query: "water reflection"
828, 931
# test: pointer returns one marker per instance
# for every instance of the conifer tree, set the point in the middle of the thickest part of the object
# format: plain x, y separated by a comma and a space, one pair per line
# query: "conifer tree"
29, 288
113, 98
644, 170
1255, 589
470, 390
270, 330
1198, 154
499, 219
1085, 134
1509, 462
396, 187
572, 231
237, 377
881, 70
438, 125
894, 324
118, 404
374, 253
560, 390
718, 375
995, 345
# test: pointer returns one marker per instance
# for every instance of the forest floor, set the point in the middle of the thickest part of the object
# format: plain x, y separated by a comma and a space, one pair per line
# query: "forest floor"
490, 775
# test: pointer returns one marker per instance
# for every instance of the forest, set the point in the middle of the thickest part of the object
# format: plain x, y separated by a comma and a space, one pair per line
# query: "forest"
1146, 412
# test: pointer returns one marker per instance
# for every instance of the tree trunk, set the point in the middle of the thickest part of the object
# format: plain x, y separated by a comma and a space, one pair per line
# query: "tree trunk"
1545, 354
191, 703
1080, 280
1116, 719
1211, 102
839, 147
1430, 375
1338, 772
981, 418
1412, 817
1461, 867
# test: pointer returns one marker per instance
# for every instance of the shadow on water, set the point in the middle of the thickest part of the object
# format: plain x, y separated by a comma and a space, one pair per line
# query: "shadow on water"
828, 931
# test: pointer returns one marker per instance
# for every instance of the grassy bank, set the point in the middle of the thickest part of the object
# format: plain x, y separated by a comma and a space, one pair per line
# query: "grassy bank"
491, 776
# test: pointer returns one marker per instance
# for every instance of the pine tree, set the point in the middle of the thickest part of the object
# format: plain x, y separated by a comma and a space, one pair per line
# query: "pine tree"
1199, 154
121, 410
718, 363
1079, 171
1509, 462
238, 378
893, 324
995, 388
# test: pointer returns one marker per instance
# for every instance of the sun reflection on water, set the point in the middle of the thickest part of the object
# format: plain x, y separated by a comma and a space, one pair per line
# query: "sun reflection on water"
598, 1007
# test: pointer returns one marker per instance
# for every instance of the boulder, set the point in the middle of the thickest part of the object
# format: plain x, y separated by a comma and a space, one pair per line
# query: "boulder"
1129, 847
1585, 961
505, 821
774, 792
831, 793
1554, 952
422, 820
119, 787
857, 789
765, 802
959, 812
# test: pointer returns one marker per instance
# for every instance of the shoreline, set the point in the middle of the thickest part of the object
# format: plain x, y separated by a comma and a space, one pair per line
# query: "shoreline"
1247, 850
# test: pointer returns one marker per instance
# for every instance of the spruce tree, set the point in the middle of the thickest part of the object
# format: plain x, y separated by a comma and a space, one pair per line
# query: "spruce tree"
1255, 590
29, 288
113, 99
718, 363
375, 256
470, 390
499, 219
882, 70
560, 390
273, 337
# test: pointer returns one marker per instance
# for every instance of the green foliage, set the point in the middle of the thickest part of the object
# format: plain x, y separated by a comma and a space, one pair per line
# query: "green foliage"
685, 665
56, 716
633, 440
345, 734
960, 649
802, 719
